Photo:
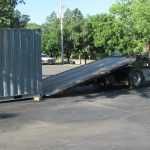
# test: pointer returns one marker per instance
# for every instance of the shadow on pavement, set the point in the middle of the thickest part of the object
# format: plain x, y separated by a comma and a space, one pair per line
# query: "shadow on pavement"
91, 91
8, 115
144, 91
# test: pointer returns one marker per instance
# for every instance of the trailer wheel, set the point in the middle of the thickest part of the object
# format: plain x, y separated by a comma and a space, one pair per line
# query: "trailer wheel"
135, 79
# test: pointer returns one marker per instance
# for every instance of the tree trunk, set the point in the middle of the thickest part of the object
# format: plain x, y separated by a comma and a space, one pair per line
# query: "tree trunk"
68, 60
85, 61
80, 58
85, 58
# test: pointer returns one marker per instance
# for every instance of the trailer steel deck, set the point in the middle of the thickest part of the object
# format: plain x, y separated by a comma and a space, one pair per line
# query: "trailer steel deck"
63, 81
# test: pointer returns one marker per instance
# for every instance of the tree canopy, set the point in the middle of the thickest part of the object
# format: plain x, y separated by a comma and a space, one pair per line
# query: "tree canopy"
125, 28
9, 16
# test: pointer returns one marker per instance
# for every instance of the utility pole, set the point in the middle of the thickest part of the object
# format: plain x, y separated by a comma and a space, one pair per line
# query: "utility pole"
61, 17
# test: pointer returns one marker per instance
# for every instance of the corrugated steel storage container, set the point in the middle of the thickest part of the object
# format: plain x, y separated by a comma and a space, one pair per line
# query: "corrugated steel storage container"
20, 65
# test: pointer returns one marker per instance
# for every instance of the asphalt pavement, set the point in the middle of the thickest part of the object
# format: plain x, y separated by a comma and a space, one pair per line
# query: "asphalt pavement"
86, 118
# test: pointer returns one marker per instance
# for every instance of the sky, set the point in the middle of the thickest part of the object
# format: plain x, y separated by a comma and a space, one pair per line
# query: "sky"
38, 10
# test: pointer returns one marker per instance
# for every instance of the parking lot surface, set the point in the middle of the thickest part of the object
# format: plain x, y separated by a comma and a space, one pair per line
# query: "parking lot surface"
50, 70
86, 118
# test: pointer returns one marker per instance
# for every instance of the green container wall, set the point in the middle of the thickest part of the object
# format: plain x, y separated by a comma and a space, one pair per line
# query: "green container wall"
20, 62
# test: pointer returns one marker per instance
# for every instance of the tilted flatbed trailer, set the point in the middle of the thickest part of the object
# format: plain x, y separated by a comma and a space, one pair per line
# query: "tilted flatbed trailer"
96, 71
109, 70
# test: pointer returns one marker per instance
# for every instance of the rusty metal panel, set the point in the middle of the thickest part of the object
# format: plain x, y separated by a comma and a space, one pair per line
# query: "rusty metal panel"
20, 66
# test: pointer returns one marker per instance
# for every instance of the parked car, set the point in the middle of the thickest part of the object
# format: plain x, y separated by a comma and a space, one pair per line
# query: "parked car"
45, 59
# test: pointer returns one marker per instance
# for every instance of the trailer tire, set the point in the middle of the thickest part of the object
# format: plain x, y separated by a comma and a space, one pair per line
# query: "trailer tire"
135, 79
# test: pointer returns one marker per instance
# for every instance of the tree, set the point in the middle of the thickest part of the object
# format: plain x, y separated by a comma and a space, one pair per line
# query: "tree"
19, 20
104, 32
88, 39
9, 17
68, 34
125, 29
51, 35
72, 31
141, 18
33, 26
134, 16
